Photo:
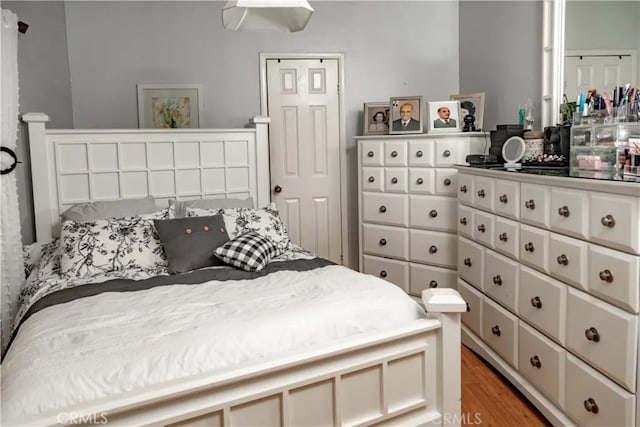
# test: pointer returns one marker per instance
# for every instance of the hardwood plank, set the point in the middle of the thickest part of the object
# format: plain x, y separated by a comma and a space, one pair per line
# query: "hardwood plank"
488, 399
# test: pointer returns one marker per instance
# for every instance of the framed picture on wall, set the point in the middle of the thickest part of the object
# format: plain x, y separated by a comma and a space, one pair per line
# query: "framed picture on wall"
170, 106
406, 114
471, 104
376, 118
444, 116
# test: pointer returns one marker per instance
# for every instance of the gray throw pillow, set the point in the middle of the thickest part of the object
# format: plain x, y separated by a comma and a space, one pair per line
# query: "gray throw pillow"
180, 206
189, 243
92, 211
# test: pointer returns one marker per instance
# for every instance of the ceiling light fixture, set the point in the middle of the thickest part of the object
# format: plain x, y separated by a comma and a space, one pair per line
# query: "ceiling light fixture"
266, 15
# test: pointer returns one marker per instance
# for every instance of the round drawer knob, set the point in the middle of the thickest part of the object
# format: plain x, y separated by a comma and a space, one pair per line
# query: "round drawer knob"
394, 154
372, 179
419, 153
536, 302
370, 154
481, 193
529, 247
606, 276
563, 260
535, 362
467, 262
503, 198
463, 221
608, 221
530, 204
433, 284
383, 242
503, 237
446, 182
383, 208
433, 213
496, 330
481, 228
446, 153
394, 180
497, 280
564, 211
383, 273
419, 181
433, 249
463, 188
592, 334
591, 406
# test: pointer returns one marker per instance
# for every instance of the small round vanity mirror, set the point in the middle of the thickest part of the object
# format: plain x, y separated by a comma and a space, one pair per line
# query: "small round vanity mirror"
512, 152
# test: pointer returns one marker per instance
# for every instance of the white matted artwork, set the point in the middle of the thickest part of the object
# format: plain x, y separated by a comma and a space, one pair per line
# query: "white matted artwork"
471, 104
444, 116
175, 106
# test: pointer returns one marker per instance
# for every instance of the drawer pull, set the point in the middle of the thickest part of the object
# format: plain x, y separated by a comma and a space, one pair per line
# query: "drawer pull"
530, 204
529, 247
419, 181
383, 242
394, 180
447, 182
564, 211
468, 307
394, 153
370, 154
591, 406
383, 273
419, 153
467, 262
446, 153
503, 237
563, 260
481, 228
433, 213
383, 208
433, 284
497, 280
496, 330
372, 179
592, 334
606, 276
608, 221
536, 302
463, 188
481, 193
535, 362
433, 249
463, 220
503, 198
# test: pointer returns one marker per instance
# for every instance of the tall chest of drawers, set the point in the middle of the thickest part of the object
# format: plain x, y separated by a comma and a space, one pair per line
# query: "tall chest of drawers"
407, 206
550, 268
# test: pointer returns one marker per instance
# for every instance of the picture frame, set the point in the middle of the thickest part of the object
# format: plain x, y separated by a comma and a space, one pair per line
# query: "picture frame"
376, 118
471, 102
170, 106
413, 118
444, 116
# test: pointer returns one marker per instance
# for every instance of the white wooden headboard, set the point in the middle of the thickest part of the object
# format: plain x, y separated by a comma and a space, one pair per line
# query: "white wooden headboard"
78, 165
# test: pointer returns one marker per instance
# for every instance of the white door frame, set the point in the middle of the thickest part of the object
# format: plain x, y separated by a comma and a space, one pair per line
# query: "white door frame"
341, 118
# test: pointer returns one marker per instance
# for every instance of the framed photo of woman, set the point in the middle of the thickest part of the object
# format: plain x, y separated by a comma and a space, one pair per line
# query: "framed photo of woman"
471, 104
406, 114
376, 118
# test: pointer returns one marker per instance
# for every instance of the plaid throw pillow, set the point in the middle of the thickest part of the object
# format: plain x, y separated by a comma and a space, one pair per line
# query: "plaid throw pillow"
249, 251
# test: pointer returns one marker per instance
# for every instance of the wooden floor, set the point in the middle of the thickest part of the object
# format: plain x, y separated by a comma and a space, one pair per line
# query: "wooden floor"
488, 399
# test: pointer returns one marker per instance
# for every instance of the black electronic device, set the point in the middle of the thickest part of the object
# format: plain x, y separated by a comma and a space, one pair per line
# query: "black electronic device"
481, 159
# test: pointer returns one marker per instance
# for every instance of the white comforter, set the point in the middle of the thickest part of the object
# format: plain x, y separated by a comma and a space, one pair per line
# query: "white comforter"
115, 342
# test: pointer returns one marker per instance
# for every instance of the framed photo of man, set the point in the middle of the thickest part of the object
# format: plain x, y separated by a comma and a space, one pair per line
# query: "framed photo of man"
471, 104
444, 116
406, 114
376, 118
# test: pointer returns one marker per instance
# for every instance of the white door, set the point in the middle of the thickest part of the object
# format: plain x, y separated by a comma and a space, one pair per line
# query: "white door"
304, 150
602, 72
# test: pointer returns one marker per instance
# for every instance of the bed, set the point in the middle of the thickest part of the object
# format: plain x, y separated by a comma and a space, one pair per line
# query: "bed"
301, 342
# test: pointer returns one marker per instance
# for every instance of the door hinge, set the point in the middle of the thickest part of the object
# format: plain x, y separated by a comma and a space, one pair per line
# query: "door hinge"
338, 88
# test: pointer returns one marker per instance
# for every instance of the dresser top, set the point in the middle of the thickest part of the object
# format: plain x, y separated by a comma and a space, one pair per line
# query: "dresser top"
430, 135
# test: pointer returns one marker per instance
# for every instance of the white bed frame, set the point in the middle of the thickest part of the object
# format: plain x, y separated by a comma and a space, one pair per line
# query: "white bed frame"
408, 376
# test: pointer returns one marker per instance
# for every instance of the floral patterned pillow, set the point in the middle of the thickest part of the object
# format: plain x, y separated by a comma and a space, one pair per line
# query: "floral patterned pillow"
100, 246
265, 222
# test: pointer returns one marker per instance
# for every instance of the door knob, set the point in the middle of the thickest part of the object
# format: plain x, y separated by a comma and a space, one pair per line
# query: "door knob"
277, 189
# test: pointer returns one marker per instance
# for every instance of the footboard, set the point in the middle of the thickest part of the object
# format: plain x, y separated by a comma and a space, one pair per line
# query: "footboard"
408, 376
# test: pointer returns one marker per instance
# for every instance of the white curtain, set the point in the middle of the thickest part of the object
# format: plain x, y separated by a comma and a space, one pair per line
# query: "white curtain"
11, 263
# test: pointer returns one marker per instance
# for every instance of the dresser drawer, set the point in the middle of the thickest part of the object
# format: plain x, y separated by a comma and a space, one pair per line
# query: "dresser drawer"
421, 153
372, 153
542, 302
483, 193
614, 221
421, 180
465, 220
390, 209
534, 244
446, 181
432, 247
570, 212
534, 205
433, 212
465, 188
426, 276
484, 223
542, 362
604, 336
614, 276
447, 152
471, 262
506, 237
372, 179
568, 260
395, 153
500, 331
395, 180
507, 198
472, 318
501, 279
396, 272
385, 241
593, 400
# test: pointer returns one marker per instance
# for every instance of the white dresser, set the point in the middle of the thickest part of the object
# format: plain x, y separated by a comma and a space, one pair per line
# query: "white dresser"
407, 206
550, 268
